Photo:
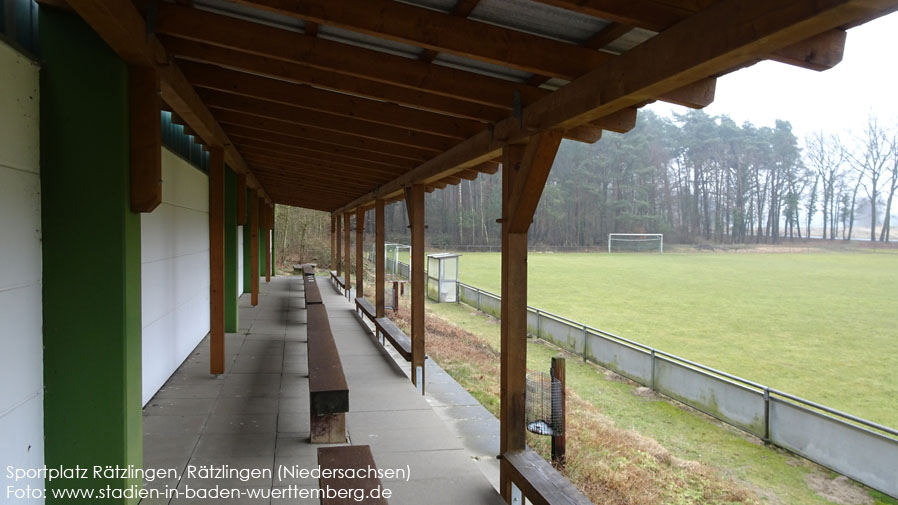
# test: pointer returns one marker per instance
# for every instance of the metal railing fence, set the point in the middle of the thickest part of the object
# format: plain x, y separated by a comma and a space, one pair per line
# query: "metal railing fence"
857, 448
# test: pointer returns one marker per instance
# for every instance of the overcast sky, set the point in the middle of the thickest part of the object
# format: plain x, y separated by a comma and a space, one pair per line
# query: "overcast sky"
836, 101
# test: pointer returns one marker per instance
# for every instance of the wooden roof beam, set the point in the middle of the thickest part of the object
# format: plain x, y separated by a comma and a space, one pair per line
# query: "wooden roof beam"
733, 32
445, 33
820, 52
281, 140
328, 79
253, 145
374, 175
320, 135
304, 96
219, 100
289, 46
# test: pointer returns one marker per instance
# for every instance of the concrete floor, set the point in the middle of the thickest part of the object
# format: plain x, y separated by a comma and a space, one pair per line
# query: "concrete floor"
256, 415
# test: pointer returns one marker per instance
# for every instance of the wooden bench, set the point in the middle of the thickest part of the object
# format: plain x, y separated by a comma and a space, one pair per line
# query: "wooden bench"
350, 457
338, 280
397, 337
328, 392
312, 293
365, 307
539, 481
308, 269
297, 268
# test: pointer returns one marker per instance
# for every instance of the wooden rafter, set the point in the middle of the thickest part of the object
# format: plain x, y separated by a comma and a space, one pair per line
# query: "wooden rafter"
322, 78
307, 97
321, 135
260, 135
457, 35
259, 147
733, 32
403, 136
289, 46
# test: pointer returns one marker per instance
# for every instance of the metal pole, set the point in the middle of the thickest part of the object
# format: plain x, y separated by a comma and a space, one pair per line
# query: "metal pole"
538, 325
653, 369
767, 415
558, 442
585, 341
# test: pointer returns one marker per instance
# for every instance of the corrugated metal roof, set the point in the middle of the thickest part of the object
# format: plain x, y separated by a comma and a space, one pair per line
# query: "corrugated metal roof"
539, 19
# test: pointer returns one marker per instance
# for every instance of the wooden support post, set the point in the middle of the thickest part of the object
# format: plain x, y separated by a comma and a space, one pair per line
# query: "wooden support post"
145, 139
338, 252
414, 197
379, 301
524, 174
216, 260
273, 242
241, 199
359, 244
254, 245
559, 442
347, 280
268, 228
334, 243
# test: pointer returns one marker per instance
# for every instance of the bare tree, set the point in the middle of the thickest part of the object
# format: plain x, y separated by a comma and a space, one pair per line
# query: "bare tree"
893, 185
876, 152
826, 155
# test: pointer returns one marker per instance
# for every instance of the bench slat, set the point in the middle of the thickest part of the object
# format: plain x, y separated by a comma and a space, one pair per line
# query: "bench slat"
540, 481
312, 293
357, 457
366, 307
308, 269
328, 391
397, 337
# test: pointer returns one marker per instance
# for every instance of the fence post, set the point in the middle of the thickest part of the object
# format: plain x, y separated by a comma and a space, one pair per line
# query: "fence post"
585, 341
538, 325
653, 369
766, 415
478, 298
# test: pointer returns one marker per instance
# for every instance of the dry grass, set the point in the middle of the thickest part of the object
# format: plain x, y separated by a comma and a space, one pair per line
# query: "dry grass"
608, 464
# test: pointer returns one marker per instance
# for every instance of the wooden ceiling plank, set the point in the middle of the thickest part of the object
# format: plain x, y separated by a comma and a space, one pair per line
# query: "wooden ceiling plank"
341, 155
444, 33
375, 175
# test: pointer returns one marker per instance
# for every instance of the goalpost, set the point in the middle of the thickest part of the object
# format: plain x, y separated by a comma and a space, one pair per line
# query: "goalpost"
636, 242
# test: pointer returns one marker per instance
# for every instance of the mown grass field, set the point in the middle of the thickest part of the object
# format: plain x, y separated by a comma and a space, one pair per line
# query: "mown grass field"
823, 325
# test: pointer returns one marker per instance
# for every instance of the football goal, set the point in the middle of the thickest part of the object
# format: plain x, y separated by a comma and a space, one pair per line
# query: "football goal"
636, 242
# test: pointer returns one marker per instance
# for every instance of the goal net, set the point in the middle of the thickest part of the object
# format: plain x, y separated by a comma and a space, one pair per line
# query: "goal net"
636, 242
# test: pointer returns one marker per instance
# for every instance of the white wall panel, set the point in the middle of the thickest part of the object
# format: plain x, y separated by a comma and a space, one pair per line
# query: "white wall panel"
174, 271
21, 339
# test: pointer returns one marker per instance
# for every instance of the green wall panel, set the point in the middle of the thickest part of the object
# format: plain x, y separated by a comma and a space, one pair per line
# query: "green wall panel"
91, 257
247, 253
230, 244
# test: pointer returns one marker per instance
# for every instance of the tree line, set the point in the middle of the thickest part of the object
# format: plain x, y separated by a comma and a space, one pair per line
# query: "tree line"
694, 177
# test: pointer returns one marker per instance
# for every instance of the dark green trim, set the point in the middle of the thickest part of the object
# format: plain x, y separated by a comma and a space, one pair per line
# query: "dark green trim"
247, 253
91, 258
230, 245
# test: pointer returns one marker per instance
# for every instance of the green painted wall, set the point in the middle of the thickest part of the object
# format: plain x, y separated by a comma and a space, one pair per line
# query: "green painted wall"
247, 260
262, 249
91, 257
230, 257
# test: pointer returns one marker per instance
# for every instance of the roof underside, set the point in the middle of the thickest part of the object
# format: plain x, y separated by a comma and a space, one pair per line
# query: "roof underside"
331, 105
